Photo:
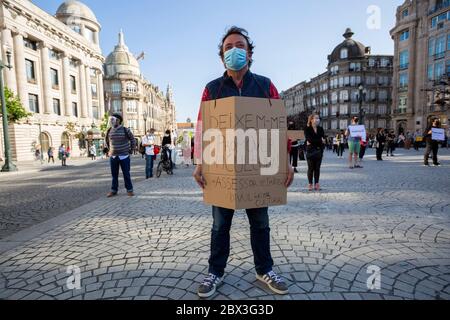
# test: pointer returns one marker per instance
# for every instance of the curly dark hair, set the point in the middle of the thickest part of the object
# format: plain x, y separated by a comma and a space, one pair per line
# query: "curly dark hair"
239, 31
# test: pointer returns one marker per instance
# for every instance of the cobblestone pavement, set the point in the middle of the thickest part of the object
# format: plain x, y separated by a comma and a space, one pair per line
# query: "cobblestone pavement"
394, 215
38, 193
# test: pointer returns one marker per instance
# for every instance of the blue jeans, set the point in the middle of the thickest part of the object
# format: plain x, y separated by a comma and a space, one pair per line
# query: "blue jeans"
125, 164
259, 234
149, 166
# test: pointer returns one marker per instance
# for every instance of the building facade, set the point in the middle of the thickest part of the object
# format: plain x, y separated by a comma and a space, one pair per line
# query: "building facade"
352, 73
421, 64
57, 74
142, 104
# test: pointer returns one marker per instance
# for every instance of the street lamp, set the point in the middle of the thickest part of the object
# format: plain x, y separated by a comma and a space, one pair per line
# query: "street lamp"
362, 92
145, 115
41, 156
9, 165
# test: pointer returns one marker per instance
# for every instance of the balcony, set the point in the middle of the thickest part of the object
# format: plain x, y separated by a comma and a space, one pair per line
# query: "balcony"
439, 55
400, 111
403, 66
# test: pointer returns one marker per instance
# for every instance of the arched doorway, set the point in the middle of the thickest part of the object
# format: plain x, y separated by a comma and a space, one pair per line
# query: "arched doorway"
401, 127
65, 139
44, 141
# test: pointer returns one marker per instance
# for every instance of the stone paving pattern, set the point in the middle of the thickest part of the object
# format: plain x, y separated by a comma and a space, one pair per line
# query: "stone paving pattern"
393, 214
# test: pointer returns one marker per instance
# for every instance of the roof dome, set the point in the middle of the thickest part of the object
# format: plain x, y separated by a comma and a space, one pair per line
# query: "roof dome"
354, 48
75, 9
121, 60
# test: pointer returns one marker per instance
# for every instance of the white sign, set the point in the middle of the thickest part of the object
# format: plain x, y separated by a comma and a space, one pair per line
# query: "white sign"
438, 134
358, 132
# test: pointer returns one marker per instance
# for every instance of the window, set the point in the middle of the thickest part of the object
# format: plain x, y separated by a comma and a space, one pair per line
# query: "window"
405, 13
430, 72
333, 124
76, 28
404, 59
402, 102
75, 109
52, 54
132, 124
403, 80
73, 63
341, 82
30, 44
31, 75
73, 84
93, 72
94, 90
90, 35
440, 47
334, 70
343, 124
95, 113
115, 87
404, 35
355, 108
439, 70
131, 106
385, 62
448, 68
116, 106
431, 44
343, 109
131, 87
334, 110
382, 95
334, 97
372, 62
57, 106
355, 66
33, 103
382, 123
382, 109
344, 53
370, 80
54, 78
344, 96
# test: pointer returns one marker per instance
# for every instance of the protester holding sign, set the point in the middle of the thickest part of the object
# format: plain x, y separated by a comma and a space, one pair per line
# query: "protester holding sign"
315, 139
432, 142
354, 133
236, 50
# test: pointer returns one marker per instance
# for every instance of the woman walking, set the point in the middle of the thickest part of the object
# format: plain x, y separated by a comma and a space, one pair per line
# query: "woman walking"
379, 144
315, 140
340, 138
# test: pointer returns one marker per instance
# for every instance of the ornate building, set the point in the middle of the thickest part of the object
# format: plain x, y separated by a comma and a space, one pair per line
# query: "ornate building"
141, 103
335, 94
57, 74
421, 64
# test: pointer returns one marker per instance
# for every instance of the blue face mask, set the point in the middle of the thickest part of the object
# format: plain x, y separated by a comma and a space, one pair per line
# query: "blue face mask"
235, 59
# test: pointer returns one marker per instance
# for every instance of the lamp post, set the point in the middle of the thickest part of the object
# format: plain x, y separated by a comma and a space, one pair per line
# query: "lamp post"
41, 156
145, 115
9, 165
362, 92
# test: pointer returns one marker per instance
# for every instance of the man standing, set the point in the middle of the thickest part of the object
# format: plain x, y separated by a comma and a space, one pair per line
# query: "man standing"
432, 145
236, 50
148, 142
120, 142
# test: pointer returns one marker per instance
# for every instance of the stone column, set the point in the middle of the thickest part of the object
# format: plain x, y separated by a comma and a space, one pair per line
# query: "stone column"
46, 81
82, 86
101, 95
88, 91
10, 75
21, 73
67, 89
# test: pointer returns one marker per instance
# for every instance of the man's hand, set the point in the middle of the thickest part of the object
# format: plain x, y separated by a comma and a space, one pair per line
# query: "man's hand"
198, 176
290, 177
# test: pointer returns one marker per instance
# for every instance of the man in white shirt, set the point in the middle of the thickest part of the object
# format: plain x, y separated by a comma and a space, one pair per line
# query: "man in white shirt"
148, 142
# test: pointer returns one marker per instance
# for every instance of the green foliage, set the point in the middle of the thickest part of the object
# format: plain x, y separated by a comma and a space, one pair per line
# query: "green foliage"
14, 107
105, 123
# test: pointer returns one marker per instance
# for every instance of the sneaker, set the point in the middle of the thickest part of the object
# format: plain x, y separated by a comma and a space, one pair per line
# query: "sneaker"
426, 165
209, 285
310, 187
437, 164
274, 282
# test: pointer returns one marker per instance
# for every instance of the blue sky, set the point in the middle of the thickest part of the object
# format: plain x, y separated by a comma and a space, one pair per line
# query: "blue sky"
293, 37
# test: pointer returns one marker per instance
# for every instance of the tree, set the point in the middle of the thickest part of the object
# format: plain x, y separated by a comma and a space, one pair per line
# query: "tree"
105, 123
71, 128
14, 107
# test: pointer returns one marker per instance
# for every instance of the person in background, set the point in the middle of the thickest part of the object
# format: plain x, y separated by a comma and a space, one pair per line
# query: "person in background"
293, 155
354, 145
432, 145
340, 139
380, 140
315, 141
62, 152
50, 155
362, 151
390, 144
167, 141
417, 137
93, 152
148, 142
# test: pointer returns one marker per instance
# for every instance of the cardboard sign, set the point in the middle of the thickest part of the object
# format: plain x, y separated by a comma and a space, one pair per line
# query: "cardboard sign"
244, 156
438, 134
295, 135
358, 132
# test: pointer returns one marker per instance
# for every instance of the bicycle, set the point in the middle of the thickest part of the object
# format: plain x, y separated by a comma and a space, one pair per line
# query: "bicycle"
165, 164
